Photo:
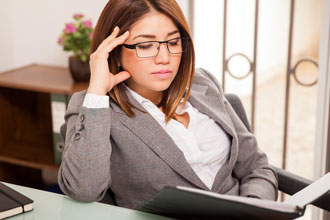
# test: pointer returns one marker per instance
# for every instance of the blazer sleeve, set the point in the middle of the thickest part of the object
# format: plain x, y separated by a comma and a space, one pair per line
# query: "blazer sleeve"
257, 178
84, 173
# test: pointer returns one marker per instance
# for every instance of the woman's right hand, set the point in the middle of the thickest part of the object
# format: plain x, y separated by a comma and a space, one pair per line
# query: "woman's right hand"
102, 80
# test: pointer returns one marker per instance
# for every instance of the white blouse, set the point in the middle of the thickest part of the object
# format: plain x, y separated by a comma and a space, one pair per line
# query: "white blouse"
204, 143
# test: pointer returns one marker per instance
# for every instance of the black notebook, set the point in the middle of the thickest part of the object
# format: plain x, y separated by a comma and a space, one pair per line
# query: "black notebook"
13, 202
194, 204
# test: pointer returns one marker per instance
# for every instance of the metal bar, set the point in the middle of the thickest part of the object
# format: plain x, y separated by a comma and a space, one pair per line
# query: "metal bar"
254, 65
287, 89
224, 63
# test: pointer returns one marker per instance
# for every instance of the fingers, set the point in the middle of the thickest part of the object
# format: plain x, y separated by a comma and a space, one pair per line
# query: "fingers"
121, 76
113, 41
116, 41
114, 34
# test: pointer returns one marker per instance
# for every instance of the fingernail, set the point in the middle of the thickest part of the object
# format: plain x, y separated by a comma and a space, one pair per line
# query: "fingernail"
126, 32
116, 28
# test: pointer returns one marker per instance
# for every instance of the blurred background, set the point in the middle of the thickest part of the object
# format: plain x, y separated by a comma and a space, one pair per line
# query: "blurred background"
266, 51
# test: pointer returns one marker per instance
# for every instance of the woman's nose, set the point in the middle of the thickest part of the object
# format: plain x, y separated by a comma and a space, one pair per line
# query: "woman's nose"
163, 55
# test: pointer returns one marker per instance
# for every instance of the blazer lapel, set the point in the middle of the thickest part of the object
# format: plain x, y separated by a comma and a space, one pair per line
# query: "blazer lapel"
209, 103
155, 137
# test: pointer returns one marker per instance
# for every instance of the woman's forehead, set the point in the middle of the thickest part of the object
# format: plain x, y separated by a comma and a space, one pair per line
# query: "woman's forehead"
153, 24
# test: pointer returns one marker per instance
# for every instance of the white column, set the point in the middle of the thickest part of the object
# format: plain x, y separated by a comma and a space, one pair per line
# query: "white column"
322, 143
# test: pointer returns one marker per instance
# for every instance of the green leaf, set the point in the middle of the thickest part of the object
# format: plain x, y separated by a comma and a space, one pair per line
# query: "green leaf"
83, 58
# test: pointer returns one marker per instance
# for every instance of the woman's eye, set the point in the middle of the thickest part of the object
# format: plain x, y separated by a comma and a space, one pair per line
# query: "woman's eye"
144, 46
174, 43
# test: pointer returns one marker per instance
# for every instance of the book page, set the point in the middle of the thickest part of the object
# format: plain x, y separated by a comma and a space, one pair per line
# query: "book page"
58, 111
311, 192
267, 204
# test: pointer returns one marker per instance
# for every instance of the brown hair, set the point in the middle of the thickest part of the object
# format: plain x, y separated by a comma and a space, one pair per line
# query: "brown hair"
124, 13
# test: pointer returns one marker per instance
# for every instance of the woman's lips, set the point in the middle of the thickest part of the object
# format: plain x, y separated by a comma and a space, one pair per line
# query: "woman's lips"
162, 74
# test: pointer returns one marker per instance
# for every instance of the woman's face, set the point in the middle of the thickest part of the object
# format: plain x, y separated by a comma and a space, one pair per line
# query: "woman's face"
151, 76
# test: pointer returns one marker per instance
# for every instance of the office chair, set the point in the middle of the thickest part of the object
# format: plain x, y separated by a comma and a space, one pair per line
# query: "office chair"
289, 183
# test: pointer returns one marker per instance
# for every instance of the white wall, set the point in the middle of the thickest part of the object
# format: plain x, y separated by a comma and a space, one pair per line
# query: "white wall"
6, 35
208, 20
30, 29
184, 4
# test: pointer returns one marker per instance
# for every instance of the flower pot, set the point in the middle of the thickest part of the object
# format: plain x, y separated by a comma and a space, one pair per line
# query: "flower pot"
79, 70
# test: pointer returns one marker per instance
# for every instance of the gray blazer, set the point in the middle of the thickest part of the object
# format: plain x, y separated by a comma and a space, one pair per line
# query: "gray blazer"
135, 157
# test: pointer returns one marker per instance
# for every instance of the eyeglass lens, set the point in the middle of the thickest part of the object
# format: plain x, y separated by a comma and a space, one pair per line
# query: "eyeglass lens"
150, 49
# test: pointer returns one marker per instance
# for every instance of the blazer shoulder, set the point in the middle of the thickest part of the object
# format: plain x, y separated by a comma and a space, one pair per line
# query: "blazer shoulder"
204, 77
77, 100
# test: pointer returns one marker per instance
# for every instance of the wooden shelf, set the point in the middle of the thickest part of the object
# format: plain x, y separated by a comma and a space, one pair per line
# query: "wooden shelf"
28, 155
41, 78
26, 132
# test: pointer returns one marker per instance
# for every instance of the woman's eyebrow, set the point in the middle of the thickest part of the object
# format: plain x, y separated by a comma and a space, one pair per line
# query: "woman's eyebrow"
172, 33
153, 36
145, 36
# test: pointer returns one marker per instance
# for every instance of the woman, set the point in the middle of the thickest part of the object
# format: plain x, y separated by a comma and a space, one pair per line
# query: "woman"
148, 119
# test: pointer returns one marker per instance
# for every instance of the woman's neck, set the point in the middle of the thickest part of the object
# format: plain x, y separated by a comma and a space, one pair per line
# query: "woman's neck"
154, 96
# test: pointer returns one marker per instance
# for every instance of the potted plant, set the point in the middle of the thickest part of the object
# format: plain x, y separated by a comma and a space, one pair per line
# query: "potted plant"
76, 37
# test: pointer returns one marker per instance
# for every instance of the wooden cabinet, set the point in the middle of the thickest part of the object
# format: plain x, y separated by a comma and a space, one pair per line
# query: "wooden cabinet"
26, 134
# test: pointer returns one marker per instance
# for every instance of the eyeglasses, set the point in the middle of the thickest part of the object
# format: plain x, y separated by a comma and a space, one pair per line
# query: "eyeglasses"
151, 48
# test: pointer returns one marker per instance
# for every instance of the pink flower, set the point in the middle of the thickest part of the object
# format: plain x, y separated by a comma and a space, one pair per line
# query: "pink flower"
87, 24
60, 40
70, 28
90, 35
78, 16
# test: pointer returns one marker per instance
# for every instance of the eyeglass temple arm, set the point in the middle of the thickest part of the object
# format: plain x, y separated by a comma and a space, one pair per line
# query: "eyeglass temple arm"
130, 46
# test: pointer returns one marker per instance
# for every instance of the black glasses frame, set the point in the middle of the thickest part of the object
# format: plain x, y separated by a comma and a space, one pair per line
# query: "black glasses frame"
133, 46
